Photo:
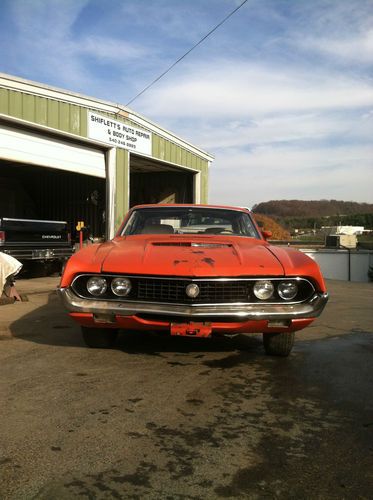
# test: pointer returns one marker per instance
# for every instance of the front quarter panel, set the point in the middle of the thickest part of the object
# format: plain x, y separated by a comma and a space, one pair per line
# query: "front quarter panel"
86, 260
297, 263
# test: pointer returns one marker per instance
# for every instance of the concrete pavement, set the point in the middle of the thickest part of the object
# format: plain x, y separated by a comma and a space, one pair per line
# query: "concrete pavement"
177, 418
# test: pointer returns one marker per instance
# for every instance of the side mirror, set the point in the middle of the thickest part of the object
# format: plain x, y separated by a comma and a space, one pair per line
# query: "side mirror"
266, 234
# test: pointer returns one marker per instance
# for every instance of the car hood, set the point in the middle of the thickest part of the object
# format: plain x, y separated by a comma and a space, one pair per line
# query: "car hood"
190, 256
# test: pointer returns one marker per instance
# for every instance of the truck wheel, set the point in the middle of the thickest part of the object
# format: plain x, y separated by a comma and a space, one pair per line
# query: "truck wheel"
99, 338
278, 344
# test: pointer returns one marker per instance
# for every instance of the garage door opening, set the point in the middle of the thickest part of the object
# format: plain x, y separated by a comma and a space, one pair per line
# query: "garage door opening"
155, 182
33, 192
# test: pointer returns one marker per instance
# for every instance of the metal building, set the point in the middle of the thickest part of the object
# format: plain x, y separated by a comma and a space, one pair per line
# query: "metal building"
66, 156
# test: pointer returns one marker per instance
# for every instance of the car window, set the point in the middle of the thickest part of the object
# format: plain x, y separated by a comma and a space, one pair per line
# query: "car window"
190, 220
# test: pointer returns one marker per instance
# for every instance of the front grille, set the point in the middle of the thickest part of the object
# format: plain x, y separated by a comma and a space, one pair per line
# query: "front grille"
173, 291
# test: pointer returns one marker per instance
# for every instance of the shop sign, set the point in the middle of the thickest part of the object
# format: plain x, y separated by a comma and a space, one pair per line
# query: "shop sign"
119, 134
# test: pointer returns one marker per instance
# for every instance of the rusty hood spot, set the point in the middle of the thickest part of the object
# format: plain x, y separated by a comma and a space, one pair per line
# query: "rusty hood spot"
209, 261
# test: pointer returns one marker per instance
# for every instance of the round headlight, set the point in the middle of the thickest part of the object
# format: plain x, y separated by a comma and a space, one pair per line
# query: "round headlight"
121, 286
263, 289
96, 286
287, 290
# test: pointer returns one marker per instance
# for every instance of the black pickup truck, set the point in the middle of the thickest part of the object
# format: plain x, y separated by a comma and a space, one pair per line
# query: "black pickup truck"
23, 235
29, 239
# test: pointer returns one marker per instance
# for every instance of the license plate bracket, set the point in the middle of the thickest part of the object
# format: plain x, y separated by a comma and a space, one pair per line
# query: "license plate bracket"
191, 329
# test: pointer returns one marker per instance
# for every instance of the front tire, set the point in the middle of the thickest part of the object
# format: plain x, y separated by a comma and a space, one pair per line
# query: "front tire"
99, 338
278, 344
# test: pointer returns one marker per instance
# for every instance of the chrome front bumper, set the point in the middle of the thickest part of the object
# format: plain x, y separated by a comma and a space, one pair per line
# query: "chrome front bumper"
310, 309
39, 253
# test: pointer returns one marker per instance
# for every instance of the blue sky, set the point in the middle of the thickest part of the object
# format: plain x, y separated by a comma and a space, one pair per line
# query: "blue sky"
281, 94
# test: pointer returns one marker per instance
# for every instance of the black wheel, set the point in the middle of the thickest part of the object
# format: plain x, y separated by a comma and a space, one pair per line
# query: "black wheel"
99, 338
278, 344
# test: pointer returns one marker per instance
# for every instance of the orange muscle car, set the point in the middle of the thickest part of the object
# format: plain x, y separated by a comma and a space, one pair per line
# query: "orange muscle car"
192, 270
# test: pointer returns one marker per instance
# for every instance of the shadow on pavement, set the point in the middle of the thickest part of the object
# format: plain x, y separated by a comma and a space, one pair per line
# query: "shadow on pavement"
49, 324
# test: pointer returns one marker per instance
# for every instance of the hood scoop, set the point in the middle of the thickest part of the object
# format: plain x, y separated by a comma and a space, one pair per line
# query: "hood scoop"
190, 244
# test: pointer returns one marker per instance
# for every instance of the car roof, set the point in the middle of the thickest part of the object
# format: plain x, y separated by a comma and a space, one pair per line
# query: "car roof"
190, 205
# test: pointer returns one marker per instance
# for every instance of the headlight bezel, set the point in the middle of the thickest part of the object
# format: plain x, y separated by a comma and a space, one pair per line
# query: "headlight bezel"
299, 285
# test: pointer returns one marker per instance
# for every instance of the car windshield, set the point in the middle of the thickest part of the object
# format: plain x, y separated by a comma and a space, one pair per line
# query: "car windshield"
189, 220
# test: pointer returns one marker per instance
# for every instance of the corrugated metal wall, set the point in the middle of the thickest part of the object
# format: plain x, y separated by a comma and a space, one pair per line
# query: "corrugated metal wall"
55, 114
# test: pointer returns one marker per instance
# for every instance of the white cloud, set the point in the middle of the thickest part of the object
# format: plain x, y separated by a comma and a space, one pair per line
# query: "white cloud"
280, 128
276, 133
107, 48
358, 48
46, 18
241, 89
59, 55
277, 173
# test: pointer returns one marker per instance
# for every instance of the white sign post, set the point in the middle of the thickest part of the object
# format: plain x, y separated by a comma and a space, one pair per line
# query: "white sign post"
119, 134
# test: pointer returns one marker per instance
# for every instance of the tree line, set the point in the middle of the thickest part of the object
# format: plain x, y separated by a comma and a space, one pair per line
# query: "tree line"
365, 220
312, 208
292, 214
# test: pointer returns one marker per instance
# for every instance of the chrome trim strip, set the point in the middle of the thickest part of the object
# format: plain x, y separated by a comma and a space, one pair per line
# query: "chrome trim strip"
34, 220
192, 278
310, 309
31, 254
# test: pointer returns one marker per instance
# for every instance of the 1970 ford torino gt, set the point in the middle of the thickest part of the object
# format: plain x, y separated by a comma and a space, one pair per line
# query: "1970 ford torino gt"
196, 271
